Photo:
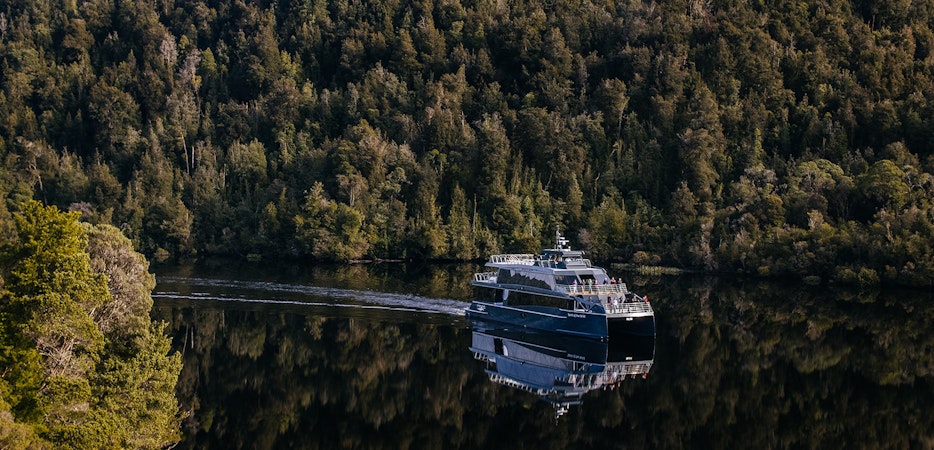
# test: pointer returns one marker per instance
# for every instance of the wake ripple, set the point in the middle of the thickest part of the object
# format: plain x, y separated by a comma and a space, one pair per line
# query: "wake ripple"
370, 299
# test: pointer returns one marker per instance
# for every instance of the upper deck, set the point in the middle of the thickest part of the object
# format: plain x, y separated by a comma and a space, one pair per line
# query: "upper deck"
551, 258
560, 257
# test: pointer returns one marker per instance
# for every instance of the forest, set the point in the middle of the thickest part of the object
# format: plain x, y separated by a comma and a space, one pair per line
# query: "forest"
771, 138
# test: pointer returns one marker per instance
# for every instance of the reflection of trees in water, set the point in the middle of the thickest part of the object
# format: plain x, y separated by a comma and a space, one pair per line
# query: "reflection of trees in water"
752, 366
768, 366
263, 380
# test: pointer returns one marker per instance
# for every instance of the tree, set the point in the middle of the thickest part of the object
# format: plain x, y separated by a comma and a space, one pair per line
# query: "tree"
426, 228
116, 118
607, 227
613, 100
701, 149
51, 289
818, 185
459, 225
329, 229
884, 184
73, 373
495, 155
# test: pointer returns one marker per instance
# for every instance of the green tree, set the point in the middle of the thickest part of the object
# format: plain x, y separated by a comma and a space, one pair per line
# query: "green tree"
884, 185
84, 368
329, 229
818, 185
702, 146
460, 227
50, 292
608, 228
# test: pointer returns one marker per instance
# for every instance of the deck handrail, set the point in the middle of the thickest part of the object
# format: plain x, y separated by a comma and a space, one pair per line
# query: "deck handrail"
484, 276
594, 289
629, 368
636, 307
507, 381
527, 259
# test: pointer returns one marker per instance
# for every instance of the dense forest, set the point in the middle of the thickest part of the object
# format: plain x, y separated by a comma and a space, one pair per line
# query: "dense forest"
770, 138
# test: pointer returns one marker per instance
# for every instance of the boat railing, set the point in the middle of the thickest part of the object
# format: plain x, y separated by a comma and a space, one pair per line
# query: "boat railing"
616, 373
594, 289
514, 258
640, 306
482, 357
615, 298
578, 262
484, 277
506, 381
629, 367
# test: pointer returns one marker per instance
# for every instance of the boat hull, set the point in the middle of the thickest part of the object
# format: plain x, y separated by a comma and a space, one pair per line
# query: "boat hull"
554, 320
642, 325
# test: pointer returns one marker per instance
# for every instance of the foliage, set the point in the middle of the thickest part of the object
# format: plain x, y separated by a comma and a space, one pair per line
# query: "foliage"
744, 128
83, 366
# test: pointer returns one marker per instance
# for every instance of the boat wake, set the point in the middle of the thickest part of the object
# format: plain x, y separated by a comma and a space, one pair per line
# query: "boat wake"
271, 293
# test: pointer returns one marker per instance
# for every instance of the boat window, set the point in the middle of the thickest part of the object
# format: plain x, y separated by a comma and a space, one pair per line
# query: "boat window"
524, 278
585, 277
524, 299
566, 279
486, 294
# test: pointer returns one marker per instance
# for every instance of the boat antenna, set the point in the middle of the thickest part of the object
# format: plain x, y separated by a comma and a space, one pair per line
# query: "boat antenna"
561, 242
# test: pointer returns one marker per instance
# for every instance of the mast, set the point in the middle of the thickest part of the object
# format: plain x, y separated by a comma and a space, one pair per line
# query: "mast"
559, 240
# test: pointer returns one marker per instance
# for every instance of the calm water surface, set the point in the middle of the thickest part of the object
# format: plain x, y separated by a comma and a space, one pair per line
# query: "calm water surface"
380, 356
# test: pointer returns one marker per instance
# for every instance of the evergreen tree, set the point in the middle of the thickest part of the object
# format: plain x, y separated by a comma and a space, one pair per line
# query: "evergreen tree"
84, 367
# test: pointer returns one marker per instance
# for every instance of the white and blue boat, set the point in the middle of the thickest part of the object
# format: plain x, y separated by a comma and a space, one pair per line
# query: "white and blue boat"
558, 291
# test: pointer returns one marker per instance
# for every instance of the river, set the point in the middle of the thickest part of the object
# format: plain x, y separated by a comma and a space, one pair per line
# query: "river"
377, 356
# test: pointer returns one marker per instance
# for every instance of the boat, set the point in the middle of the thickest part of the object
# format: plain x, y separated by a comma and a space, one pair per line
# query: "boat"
558, 291
559, 369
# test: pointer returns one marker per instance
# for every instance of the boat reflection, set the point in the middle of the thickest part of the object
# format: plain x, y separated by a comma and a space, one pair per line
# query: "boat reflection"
558, 368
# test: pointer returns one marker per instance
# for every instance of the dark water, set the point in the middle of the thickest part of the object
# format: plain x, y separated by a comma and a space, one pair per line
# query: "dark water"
380, 356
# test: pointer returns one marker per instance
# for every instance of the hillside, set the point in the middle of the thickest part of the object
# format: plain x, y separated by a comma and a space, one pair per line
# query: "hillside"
771, 138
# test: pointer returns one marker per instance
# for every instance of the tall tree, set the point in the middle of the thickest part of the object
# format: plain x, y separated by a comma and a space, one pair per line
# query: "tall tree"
84, 368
